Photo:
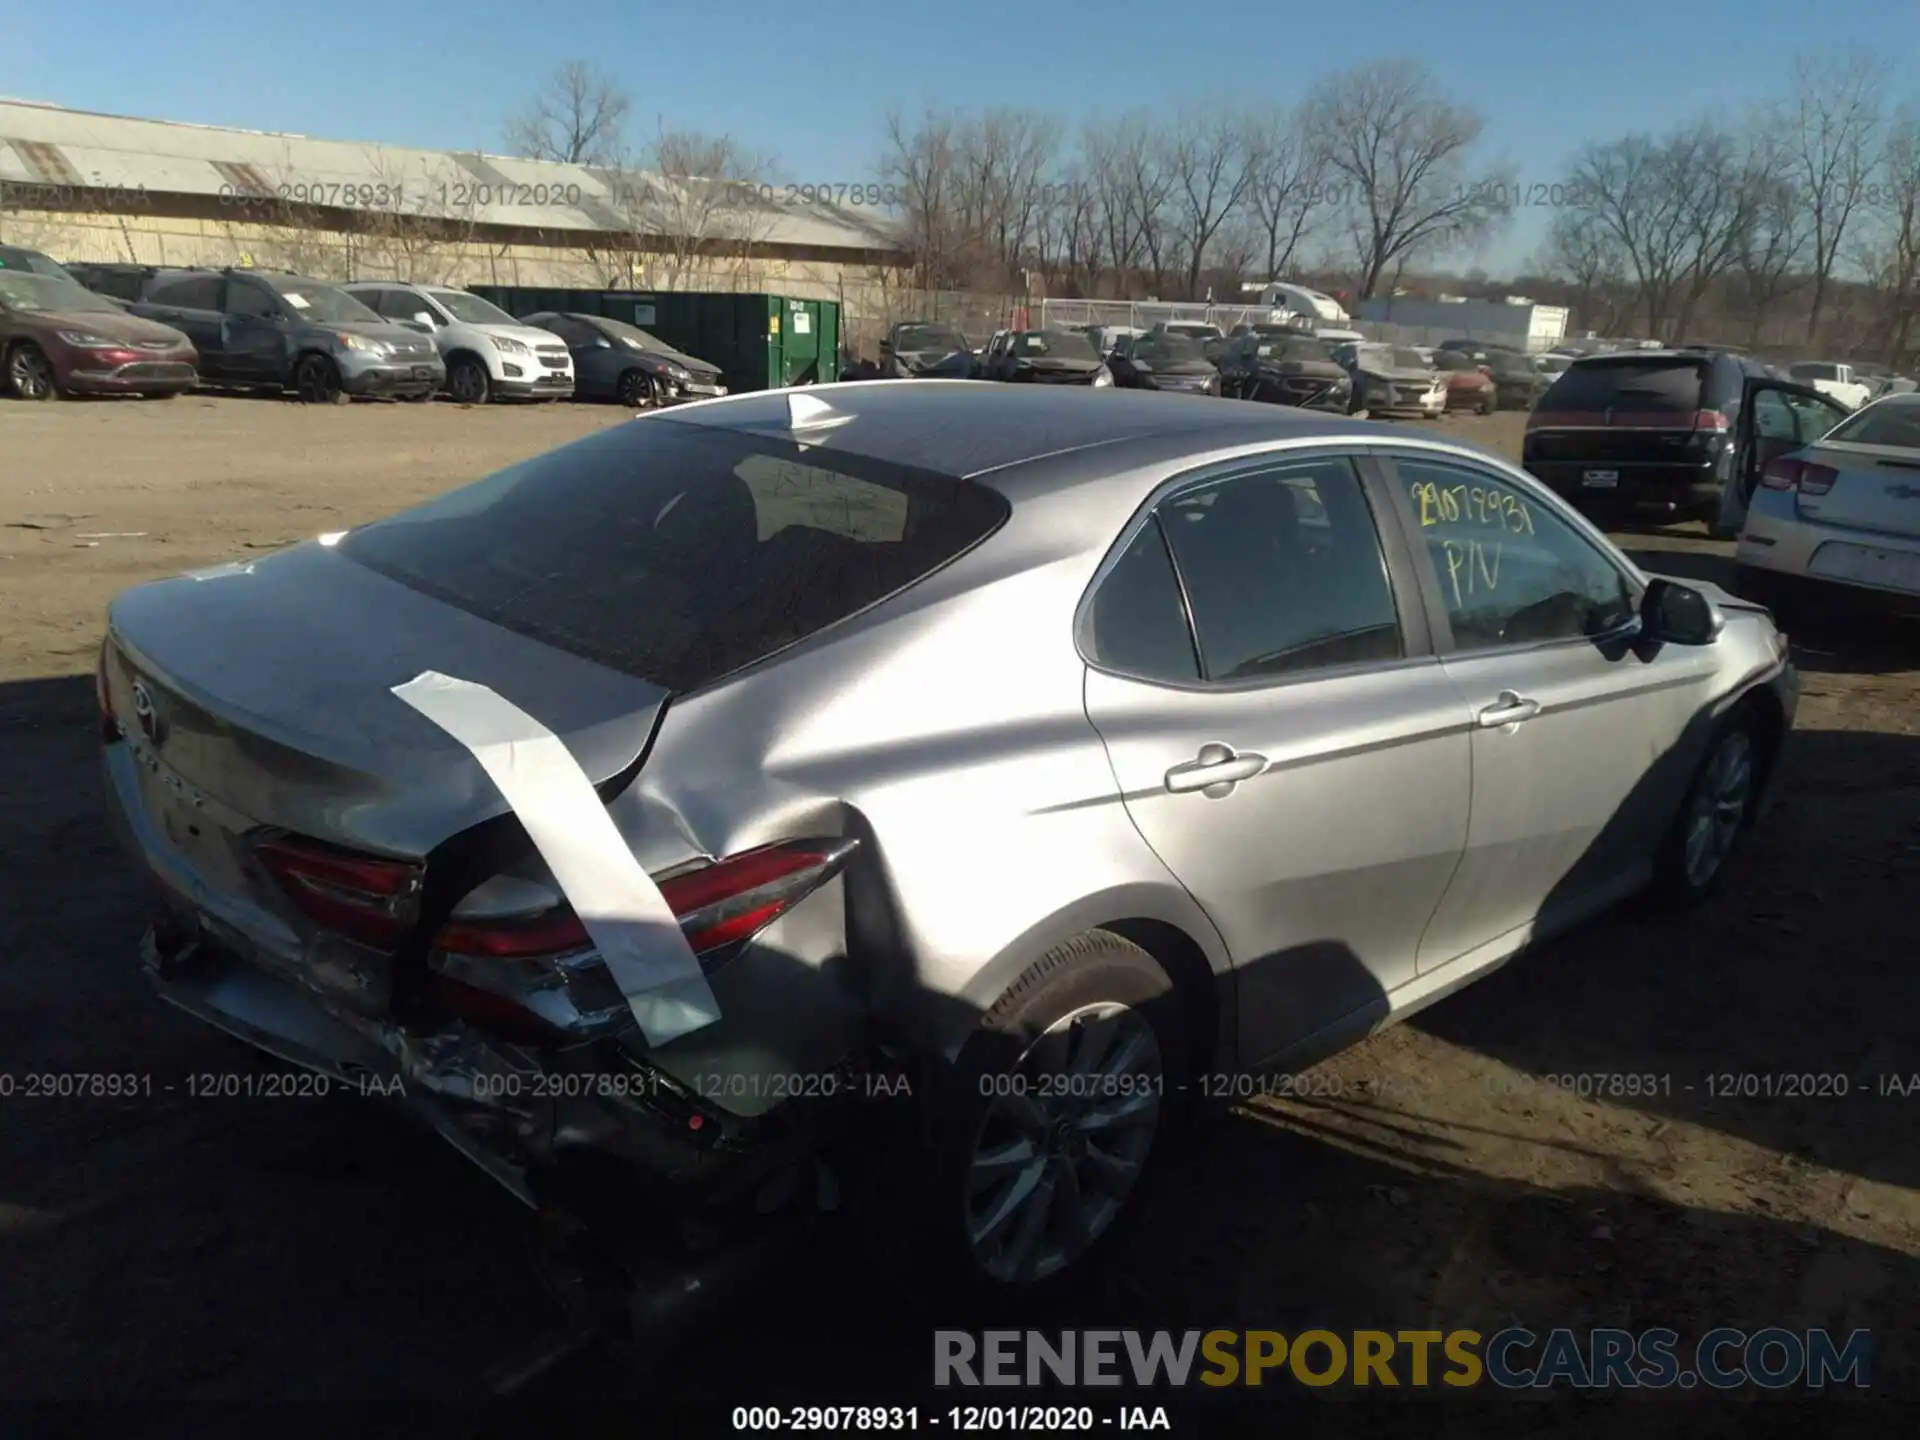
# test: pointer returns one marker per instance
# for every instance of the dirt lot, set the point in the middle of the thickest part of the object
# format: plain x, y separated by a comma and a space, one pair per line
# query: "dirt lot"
167, 1247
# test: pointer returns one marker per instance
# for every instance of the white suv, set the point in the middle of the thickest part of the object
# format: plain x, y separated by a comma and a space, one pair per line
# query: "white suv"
489, 354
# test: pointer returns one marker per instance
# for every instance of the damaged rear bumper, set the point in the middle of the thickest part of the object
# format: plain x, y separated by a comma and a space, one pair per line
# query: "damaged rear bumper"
534, 1120
585, 1129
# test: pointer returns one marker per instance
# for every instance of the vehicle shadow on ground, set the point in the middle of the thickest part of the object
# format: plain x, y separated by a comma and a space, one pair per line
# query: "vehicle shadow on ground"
1295, 1217
1796, 973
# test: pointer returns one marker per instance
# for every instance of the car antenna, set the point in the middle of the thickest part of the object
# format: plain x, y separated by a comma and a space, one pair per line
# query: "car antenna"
807, 415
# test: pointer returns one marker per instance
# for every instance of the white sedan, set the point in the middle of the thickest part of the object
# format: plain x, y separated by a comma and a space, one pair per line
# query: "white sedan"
1836, 518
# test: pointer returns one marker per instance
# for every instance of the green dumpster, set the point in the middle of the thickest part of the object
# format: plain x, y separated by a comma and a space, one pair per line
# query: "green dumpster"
759, 342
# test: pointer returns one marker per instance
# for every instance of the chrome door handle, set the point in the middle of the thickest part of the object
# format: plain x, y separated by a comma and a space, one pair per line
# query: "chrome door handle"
1214, 765
1510, 709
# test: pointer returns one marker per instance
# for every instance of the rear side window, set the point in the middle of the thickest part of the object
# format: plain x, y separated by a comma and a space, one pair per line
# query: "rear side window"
679, 553
1641, 386
1140, 617
1283, 571
1891, 422
188, 292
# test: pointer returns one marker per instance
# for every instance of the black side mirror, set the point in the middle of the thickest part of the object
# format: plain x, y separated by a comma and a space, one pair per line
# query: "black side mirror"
1678, 615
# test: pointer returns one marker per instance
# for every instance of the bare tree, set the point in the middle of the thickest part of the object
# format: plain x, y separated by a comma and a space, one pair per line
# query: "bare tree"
416, 226
1889, 250
707, 205
1719, 194
1134, 176
1835, 126
1117, 225
1067, 235
1403, 152
1285, 171
1775, 246
577, 119
1582, 250
1208, 173
921, 168
1005, 159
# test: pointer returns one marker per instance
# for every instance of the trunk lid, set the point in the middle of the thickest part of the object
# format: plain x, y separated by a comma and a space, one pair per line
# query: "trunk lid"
1877, 488
261, 693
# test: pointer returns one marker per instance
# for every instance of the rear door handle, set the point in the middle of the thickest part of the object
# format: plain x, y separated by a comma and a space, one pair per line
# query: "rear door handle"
1214, 765
1510, 709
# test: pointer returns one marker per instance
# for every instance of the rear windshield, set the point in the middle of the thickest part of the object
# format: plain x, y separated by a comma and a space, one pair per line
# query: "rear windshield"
1894, 421
679, 553
1292, 348
1054, 345
1656, 386
1808, 370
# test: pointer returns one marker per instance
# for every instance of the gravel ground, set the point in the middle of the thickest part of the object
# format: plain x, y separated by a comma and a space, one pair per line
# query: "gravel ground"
174, 1248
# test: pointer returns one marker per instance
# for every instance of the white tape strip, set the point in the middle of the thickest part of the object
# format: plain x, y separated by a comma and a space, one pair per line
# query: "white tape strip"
615, 898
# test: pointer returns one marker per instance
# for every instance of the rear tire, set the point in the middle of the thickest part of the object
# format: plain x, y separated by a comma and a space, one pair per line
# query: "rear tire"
1056, 1123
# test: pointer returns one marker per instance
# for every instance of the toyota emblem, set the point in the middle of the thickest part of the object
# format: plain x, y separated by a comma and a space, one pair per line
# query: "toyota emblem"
146, 716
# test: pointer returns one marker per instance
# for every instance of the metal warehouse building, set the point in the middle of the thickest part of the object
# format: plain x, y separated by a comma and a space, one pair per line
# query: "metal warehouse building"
88, 187
1519, 323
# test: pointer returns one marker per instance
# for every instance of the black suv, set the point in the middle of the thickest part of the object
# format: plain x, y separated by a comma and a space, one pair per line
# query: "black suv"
1640, 432
113, 280
278, 331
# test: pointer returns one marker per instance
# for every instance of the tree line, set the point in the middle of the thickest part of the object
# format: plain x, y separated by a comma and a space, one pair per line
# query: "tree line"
1794, 223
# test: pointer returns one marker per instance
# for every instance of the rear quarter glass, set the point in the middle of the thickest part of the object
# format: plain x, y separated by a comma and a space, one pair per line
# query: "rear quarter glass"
680, 553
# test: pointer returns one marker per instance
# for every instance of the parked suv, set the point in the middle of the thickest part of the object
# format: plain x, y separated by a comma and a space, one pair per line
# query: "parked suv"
1641, 431
280, 331
489, 354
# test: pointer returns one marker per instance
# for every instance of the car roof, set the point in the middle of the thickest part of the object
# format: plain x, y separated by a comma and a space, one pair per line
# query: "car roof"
966, 427
1629, 357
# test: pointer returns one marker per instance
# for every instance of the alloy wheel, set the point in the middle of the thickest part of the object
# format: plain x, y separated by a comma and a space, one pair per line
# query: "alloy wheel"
1063, 1143
1718, 806
30, 374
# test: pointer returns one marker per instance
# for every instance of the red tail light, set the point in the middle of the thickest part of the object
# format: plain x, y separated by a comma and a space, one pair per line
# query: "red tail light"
363, 897
482, 965
1711, 420
717, 905
1786, 472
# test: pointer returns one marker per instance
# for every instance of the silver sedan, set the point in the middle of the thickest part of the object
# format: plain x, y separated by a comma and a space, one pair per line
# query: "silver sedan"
1025, 761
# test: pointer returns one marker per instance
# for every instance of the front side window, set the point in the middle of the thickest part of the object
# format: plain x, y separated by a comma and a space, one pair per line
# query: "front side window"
246, 299
1511, 571
1283, 571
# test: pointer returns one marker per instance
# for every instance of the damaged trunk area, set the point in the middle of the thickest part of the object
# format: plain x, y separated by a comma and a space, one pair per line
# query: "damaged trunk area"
385, 788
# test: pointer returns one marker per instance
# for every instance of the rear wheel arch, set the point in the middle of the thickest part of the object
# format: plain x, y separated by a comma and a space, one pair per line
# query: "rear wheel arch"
1200, 977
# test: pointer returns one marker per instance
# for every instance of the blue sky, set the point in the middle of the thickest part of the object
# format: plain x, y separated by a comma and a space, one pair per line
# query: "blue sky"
810, 82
